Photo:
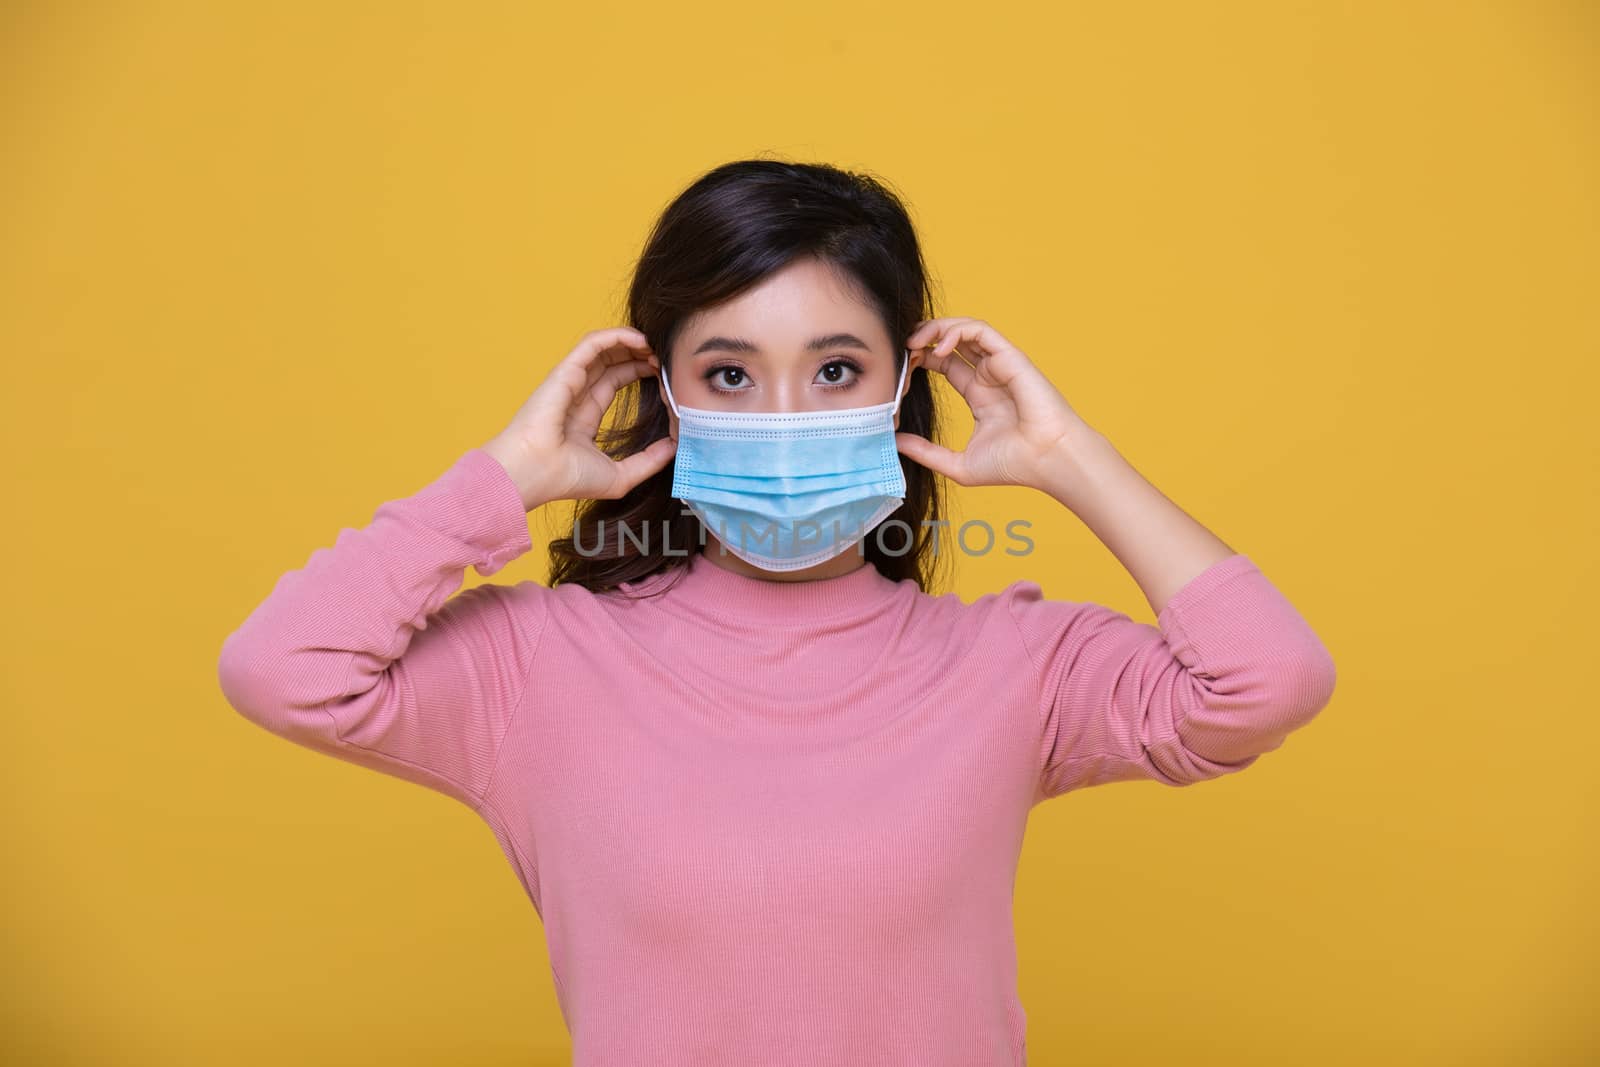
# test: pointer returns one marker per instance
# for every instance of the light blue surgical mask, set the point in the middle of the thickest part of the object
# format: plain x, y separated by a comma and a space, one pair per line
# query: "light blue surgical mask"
783, 490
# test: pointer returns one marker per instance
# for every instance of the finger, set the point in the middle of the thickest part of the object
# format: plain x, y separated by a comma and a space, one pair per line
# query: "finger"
571, 379
960, 378
957, 337
592, 406
602, 368
1004, 375
952, 465
580, 368
582, 422
597, 342
1000, 364
976, 339
631, 470
953, 366
977, 387
612, 357
929, 329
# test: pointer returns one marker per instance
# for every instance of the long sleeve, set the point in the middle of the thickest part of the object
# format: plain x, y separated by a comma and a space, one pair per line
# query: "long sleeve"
363, 654
1230, 669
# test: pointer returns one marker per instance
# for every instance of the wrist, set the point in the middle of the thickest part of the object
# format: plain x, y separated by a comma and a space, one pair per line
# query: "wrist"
516, 467
1082, 463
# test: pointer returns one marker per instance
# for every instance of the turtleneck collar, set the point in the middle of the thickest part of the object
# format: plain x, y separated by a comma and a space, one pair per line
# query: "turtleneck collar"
708, 587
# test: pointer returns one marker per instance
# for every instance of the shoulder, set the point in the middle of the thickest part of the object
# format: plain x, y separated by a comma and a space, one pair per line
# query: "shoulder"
1019, 599
1054, 633
1007, 615
571, 601
535, 604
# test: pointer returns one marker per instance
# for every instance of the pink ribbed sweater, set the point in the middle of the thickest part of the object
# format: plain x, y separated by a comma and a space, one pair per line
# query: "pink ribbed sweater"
762, 822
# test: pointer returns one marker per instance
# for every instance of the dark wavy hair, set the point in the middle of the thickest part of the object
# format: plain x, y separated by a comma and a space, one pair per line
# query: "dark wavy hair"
731, 228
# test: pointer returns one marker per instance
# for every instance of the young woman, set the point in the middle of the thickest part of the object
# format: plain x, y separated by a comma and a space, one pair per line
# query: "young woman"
765, 789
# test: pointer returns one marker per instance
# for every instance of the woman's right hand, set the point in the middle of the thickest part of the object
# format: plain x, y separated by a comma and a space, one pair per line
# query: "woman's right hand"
549, 447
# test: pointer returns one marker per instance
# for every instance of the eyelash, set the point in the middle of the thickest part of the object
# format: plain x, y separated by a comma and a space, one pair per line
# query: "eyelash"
712, 372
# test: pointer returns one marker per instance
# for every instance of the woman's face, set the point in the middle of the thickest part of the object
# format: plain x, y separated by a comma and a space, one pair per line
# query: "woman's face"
796, 342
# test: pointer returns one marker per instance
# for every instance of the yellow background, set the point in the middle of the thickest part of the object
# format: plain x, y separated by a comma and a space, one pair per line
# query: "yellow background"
1325, 273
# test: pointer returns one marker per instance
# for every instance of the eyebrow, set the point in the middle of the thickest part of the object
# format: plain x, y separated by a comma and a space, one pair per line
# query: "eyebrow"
748, 347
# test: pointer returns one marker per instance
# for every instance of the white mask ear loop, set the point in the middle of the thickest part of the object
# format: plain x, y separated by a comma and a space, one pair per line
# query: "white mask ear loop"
901, 383
662, 377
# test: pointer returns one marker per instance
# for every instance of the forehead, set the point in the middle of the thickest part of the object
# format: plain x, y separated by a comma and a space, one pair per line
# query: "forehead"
803, 308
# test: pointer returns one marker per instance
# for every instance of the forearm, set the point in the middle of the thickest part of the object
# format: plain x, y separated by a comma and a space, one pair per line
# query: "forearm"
369, 654
329, 630
1157, 541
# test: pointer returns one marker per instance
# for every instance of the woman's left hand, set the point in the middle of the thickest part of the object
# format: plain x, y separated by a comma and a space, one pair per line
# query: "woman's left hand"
1024, 427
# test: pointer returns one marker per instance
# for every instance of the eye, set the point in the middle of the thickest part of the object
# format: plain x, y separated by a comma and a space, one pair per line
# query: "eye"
839, 373
835, 374
729, 377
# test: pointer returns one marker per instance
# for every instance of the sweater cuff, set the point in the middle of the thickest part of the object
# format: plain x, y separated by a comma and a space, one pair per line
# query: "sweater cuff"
489, 514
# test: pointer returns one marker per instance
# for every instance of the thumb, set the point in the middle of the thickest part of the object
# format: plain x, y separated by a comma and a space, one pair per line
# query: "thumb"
935, 457
631, 470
